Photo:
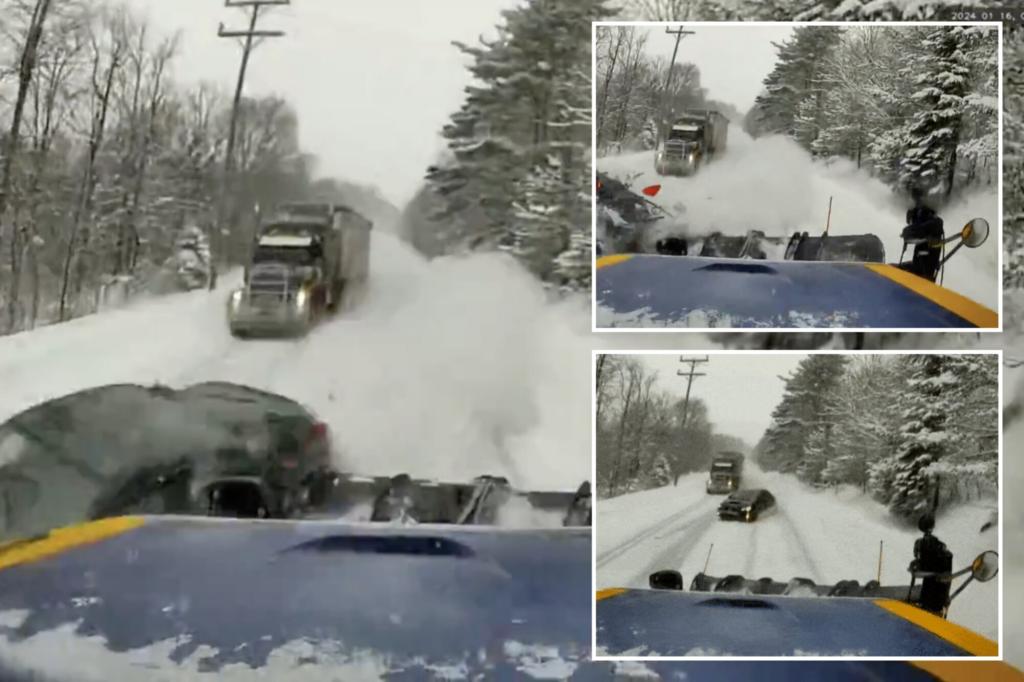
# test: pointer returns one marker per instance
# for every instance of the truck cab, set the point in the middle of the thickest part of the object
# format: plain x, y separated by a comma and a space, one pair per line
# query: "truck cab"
682, 150
304, 260
725, 475
691, 139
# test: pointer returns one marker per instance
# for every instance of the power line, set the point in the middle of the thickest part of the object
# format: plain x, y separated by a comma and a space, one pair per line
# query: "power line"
229, 157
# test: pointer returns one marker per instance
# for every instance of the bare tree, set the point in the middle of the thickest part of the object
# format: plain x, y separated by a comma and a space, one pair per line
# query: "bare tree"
26, 66
51, 98
107, 53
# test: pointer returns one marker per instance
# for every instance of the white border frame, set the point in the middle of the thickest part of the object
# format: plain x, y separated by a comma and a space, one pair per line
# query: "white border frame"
594, 524
998, 25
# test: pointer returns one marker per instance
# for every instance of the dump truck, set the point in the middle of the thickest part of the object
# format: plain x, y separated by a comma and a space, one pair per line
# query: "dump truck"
726, 473
307, 260
690, 140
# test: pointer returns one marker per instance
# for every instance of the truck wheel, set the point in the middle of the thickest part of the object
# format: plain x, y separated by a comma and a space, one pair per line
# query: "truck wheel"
239, 334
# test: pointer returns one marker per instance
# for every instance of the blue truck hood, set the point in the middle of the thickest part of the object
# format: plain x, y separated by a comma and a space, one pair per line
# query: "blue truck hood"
670, 623
174, 598
691, 291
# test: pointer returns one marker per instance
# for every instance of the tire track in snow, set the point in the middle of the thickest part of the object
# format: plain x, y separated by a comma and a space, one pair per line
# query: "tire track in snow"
748, 564
674, 556
650, 532
801, 544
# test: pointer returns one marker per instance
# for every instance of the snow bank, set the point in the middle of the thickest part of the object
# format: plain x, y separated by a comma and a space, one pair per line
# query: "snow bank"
772, 184
623, 517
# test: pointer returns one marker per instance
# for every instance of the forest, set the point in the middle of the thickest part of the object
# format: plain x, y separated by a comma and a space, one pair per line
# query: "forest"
630, 89
648, 437
913, 105
916, 432
107, 159
839, 93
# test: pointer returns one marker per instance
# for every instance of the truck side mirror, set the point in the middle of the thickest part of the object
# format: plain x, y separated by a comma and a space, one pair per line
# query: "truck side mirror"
666, 580
985, 566
975, 233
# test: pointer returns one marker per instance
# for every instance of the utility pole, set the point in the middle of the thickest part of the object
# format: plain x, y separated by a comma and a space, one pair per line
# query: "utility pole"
678, 33
229, 155
690, 375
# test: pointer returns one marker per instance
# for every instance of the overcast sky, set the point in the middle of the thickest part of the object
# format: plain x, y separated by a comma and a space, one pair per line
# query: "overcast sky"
733, 60
740, 390
373, 82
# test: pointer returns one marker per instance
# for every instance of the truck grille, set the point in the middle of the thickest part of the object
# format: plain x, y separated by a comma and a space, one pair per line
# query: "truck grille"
269, 284
676, 149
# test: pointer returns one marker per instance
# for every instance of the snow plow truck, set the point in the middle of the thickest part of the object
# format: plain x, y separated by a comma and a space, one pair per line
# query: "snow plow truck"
307, 260
691, 139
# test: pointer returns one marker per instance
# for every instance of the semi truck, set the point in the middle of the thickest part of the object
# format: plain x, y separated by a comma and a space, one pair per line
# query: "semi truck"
307, 259
726, 473
691, 139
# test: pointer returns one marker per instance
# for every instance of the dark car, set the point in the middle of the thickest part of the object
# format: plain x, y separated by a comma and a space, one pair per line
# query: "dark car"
120, 449
746, 505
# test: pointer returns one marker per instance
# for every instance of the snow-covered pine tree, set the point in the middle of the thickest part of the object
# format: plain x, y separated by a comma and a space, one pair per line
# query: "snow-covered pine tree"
861, 98
520, 142
968, 471
794, 94
924, 436
807, 406
941, 73
661, 473
865, 420
1013, 160
486, 156
977, 154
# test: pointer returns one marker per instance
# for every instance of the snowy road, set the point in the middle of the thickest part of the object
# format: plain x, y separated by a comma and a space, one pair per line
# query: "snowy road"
825, 536
448, 369
772, 184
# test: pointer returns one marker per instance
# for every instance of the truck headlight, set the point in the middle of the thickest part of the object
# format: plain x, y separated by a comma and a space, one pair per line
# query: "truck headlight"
236, 298
300, 298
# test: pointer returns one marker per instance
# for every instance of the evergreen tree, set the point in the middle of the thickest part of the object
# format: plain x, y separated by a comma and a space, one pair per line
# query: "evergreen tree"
799, 437
923, 438
793, 99
520, 143
661, 474
942, 75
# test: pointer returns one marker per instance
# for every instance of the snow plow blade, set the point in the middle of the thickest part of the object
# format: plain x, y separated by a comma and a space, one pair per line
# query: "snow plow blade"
673, 623
646, 290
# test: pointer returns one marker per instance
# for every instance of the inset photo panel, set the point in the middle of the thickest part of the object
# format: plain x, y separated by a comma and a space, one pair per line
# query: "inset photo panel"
789, 176
788, 504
